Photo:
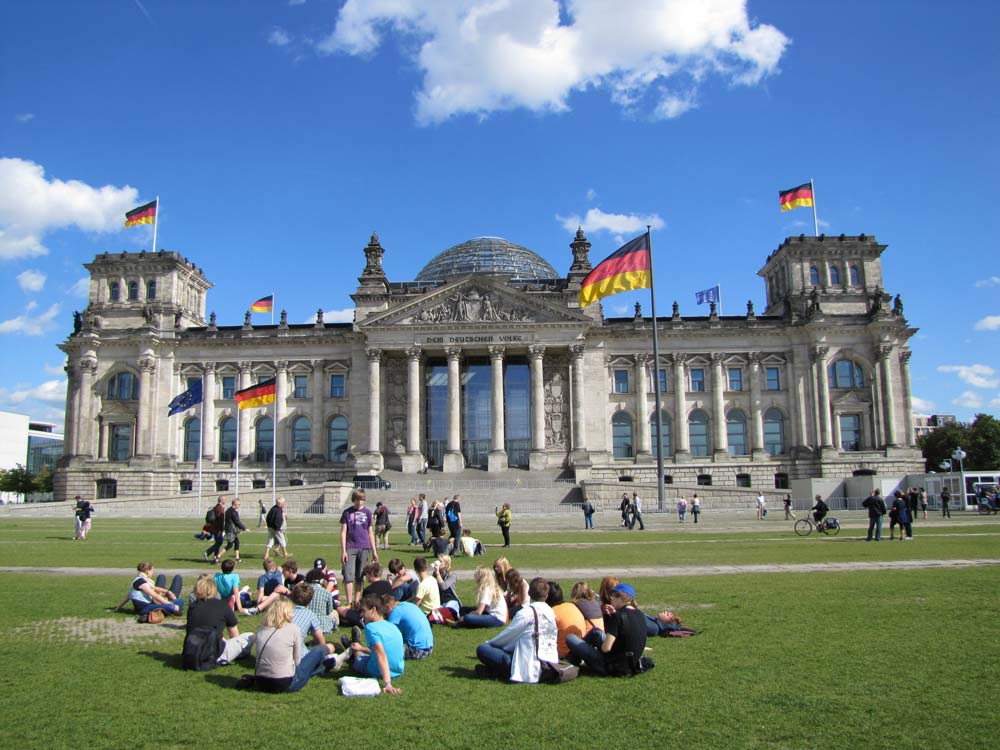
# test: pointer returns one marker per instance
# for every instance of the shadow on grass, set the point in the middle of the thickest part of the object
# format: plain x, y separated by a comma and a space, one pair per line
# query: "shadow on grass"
168, 660
468, 673
225, 681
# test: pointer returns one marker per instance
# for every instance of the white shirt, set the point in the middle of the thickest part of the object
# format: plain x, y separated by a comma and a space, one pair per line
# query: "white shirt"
637, 503
422, 511
525, 666
761, 502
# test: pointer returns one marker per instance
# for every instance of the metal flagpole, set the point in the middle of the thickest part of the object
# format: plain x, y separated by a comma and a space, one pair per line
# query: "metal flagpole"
156, 221
812, 189
274, 437
239, 421
272, 307
656, 379
719, 287
201, 432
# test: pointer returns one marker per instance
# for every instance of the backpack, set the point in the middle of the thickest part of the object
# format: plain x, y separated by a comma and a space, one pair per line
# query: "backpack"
272, 518
452, 515
210, 516
202, 646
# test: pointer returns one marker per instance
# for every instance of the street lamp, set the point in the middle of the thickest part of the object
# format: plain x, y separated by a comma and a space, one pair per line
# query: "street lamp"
960, 455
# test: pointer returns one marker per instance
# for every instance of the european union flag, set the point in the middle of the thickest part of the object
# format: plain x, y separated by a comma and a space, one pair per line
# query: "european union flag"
709, 295
186, 400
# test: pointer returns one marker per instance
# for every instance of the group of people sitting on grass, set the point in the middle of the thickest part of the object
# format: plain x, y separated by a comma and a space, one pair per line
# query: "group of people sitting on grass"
390, 621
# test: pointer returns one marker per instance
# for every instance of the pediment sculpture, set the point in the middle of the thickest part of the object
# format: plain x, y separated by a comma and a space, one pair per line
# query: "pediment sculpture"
472, 306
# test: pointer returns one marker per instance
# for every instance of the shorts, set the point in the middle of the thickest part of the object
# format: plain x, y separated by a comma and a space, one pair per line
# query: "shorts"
357, 559
276, 538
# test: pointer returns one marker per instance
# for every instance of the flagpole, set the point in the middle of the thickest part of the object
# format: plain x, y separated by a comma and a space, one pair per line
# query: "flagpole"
274, 438
656, 379
812, 189
156, 221
201, 432
719, 287
272, 307
239, 420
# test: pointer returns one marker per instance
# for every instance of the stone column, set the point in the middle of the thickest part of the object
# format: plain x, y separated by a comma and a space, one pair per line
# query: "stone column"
823, 392
579, 418
318, 447
796, 403
888, 403
413, 459
144, 428
280, 410
536, 355
904, 377
88, 438
242, 415
682, 438
374, 403
209, 448
642, 406
757, 409
497, 460
70, 430
453, 459
720, 450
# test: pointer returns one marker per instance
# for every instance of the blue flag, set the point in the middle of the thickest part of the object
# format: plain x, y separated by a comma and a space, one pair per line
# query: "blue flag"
709, 295
186, 400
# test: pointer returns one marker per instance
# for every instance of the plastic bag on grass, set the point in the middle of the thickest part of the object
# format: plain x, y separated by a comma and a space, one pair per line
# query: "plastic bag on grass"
359, 686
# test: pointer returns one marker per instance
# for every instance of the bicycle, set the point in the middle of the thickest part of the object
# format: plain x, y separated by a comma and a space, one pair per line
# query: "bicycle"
986, 507
828, 526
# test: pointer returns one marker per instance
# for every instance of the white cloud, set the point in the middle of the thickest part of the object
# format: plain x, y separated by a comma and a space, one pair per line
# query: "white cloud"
968, 400
979, 376
296, 2
81, 288
482, 56
591, 194
991, 281
25, 117
50, 392
30, 326
31, 206
31, 281
989, 323
618, 224
923, 405
279, 37
54, 369
335, 316
995, 403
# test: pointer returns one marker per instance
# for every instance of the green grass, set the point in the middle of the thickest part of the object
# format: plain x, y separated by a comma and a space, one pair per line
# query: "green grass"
867, 659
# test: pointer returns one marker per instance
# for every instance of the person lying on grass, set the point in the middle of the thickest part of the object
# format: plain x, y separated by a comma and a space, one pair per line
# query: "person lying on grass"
625, 639
383, 657
148, 594
491, 608
514, 654
662, 624
283, 664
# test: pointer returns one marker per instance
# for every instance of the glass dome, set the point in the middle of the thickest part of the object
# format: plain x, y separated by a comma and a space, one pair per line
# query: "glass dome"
488, 255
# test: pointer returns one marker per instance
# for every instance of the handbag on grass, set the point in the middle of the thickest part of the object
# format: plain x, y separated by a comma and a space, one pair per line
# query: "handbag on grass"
553, 672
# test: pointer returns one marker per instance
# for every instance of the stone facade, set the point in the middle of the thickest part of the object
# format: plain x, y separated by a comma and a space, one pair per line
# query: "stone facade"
815, 386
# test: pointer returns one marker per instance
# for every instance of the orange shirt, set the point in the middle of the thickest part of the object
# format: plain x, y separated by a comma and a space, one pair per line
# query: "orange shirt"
569, 619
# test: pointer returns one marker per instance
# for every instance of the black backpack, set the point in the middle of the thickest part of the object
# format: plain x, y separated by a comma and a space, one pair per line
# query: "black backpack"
273, 519
210, 516
202, 646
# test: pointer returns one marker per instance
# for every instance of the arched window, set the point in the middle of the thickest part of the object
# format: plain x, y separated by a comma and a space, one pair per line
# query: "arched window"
115, 292
227, 439
621, 434
151, 290
265, 439
834, 276
845, 374
736, 433
664, 433
133, 291
698, 432
814, 276
854, 276
301, 439
337, 443
192, 439
774, 432
123, 386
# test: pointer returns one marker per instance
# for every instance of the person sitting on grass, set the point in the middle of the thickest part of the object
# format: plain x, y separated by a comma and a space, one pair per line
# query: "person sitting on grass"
491, 608
418, 638
516, 653
228, 584
283, 664
212, 613
470, 545
621, 652
302, 616
584, 599
404, 583
383, 656
439, 543
377, 586
428, 596
321, 603
569, 618
517, 593
148, 595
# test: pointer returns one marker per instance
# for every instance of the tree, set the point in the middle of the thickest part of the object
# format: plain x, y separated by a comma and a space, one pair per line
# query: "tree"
983, 443
938, 445
43, 480
17, 480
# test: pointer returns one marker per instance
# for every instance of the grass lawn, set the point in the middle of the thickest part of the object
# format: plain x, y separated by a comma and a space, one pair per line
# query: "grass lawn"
869, 659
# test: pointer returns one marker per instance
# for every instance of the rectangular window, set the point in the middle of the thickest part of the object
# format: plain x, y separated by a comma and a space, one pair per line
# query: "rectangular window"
662, 378
229, 386
187, 486
222, 485
301, 384
121, 442
772, 378
742, 480
697, 379
850, 432
735, 379
336, 386
107, 488
191, 382
621, 381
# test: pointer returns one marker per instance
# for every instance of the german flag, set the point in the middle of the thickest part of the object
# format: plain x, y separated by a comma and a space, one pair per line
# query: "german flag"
142, 215
625, 269
264, 304
796, 197
261, 394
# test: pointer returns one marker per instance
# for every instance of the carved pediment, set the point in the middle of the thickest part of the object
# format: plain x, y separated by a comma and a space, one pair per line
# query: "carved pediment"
474, 300
851, 398
117, 411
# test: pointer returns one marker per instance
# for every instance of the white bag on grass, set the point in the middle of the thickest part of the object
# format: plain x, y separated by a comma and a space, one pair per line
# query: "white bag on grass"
359, 686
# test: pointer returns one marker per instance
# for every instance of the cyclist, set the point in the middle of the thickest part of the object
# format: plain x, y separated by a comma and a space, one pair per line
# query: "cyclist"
820, 509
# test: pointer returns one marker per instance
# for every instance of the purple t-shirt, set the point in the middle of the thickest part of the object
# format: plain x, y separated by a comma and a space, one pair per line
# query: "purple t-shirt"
358, 523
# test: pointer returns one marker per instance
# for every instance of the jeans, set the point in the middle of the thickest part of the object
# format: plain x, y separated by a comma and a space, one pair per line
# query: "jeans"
695, 514
422, 531
875, 525
406, 591
213, 551
656, 627
481, 621
412, 528
580, 650
505, 530
497, 659
310, 666
176, 606
588, 520
637, 516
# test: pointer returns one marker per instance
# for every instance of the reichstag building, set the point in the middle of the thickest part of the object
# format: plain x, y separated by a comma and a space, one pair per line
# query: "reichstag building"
485, 361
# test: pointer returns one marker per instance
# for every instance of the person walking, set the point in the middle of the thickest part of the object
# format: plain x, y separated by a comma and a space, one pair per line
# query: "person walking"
945, 502
453, 515
276, 521
761, 505
876, 512
83, 511
588, 514
411, 521
637, 512
695, 507
923, 502
234, 527
504, 518
216, 518
624, 507
421, 520
789, 514
262, 513
682, 505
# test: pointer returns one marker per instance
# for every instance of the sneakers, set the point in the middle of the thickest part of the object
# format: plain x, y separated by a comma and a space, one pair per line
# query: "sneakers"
245, 590
205, 555
251, 611
355, 634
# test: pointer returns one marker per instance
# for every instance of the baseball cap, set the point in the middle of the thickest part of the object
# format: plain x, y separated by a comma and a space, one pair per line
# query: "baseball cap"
624, 588
319, 563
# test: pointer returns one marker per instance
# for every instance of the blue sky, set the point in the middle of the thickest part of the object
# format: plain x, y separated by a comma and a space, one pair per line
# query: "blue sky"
280, 133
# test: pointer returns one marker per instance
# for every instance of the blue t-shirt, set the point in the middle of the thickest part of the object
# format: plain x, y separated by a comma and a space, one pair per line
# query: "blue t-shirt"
413, 624
270, 581
392, 641
227, 583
